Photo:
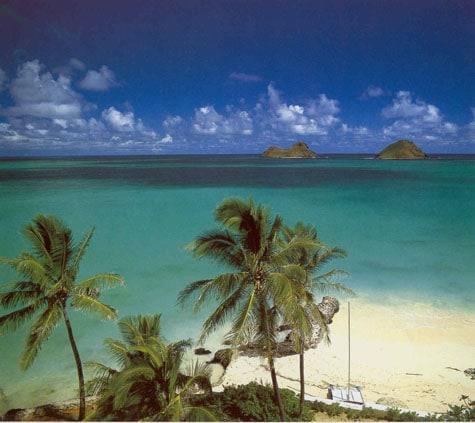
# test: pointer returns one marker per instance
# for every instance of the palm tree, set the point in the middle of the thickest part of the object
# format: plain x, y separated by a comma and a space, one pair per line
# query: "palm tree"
148, 381
262, 276
312, 260
48, 288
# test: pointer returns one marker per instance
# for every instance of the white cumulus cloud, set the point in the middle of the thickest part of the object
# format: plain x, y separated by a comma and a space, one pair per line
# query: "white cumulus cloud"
101, 80
312, 117
208, 121
118, 120
373, 92
47, 113
167, 139
172, 121
415, 117
39, 94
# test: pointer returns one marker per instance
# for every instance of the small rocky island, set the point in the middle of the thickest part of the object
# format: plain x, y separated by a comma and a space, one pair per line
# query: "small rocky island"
299, 150
402, 150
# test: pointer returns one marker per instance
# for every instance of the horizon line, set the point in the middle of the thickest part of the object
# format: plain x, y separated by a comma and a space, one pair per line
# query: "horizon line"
319, 155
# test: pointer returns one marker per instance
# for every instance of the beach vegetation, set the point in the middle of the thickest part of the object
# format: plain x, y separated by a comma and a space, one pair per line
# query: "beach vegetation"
253, 402
465, 411
149, 380
47, 288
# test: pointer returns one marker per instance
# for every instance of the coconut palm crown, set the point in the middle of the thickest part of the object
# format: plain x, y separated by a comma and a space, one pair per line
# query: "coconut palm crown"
263, 276
312, 260
149, 380
47, 288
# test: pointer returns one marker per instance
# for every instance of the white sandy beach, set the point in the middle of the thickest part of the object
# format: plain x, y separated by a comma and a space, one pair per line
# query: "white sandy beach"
397, 354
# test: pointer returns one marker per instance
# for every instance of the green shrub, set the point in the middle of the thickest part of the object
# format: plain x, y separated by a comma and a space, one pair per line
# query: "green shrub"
396, 415
253, 402
367, 413
464, 412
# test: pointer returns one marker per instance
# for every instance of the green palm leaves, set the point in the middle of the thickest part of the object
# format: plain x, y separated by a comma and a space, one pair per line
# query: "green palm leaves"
262, 272
311, 261
149, 380
270, 279
264, 280
48, 287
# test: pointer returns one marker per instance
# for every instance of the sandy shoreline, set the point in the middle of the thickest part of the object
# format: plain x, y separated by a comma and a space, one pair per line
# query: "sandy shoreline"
398, 354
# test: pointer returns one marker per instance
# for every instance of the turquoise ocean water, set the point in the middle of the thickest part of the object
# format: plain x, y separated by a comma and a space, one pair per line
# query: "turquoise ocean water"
408, 228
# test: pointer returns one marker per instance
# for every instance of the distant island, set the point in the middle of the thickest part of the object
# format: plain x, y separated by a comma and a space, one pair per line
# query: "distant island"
299, 150
402, 150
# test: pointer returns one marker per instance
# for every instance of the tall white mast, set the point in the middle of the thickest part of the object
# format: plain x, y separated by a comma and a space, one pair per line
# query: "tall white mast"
349, 351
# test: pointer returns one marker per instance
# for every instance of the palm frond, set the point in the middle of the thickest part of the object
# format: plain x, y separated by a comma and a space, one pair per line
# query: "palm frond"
63, 249
219, 287
138, 330
221, 313
230, 211
23, 292
101, 281
266, 325
291, 251
325, 284
153, 354
276, 227
98, 367
79, 251
198, 414
91, 304
179, 347
127, 378
102, 376
118, 350
243, 320
40, 237
136, 373
40, 332
28, 266
270, 241
325, 255
217, 245
191, 289
121, 395
13, 320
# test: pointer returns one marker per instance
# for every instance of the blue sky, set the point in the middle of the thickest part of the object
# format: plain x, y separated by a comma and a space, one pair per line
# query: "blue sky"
229, 76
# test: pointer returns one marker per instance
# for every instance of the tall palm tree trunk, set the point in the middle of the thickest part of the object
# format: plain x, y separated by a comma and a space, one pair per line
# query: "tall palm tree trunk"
270, 358
302, 377
275, 385
77, 358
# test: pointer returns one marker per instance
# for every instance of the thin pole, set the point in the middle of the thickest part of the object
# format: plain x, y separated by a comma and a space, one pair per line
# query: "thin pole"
349, 350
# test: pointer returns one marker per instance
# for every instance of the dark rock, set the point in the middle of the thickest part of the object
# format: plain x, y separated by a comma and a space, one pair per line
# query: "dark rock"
470, 372
65, 411
222, 357
329, 306
202, 351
